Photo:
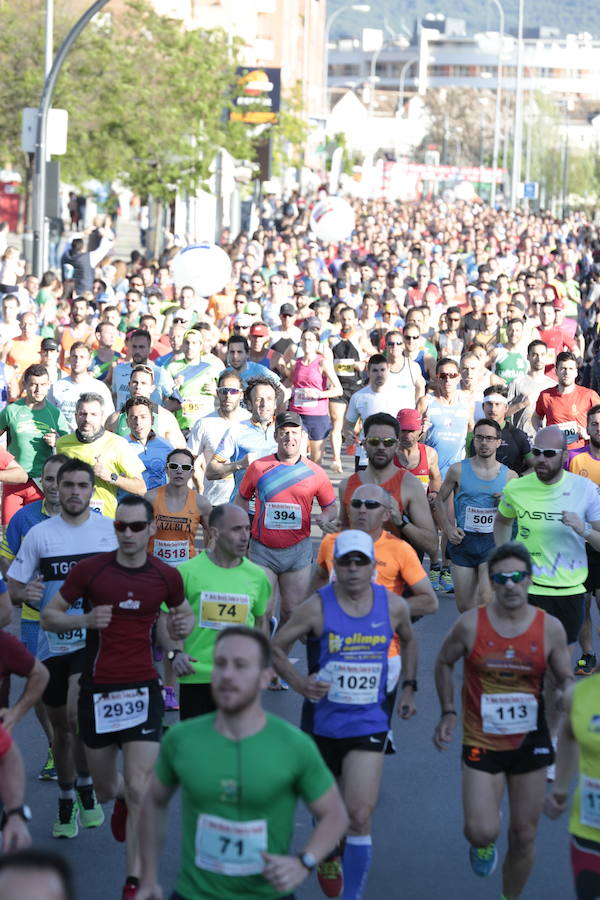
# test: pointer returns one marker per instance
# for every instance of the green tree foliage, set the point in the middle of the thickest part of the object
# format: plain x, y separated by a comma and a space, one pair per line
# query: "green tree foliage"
148, 101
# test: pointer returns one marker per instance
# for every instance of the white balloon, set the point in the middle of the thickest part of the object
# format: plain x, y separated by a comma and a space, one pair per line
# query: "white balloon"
332, 219
205, 267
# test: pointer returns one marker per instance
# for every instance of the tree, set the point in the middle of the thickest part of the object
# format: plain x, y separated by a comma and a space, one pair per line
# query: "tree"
148, 101
461, 124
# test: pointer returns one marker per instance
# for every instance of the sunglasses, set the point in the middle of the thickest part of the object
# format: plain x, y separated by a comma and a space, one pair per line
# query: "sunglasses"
185, 467
445, 376
548, 454
503, 577
225, 390
357, 560
369, 504
396, 343
375, 441
133, 526
411, 337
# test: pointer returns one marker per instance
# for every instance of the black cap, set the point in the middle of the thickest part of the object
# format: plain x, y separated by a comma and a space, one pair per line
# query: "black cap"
288, 418
49, 344
287, 309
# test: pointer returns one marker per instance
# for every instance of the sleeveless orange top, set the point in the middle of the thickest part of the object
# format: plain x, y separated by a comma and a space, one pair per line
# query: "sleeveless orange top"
502, 700
175, 537
393, 486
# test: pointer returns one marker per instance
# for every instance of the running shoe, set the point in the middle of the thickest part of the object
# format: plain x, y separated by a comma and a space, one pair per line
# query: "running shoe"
483, 859
129, 889
118, 820
446, 583
48, 772
170, 698
330, 876
66, 825
434, 577
586, 664
91, 814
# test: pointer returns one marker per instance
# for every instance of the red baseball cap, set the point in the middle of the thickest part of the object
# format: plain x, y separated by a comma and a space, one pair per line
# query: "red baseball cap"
259, 328
409, 420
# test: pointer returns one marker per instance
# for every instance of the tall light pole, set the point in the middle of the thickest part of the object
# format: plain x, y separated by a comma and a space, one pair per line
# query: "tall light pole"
357, 7
392, 42
39, 175
496, 146
402, 79
518, 121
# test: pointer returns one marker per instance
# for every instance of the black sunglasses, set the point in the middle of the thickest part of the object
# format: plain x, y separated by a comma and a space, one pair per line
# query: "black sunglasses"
357, 560
356, 503
133, 526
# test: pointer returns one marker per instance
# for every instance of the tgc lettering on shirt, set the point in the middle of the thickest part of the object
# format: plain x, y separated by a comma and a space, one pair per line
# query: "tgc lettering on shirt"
56, 568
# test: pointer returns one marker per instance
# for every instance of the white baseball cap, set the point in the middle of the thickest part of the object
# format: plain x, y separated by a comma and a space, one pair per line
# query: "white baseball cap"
353, 541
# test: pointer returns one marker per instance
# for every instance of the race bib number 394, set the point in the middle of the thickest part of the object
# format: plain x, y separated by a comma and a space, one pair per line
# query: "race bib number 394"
119, 710
283, 516
218, 610
230, 848
508, 713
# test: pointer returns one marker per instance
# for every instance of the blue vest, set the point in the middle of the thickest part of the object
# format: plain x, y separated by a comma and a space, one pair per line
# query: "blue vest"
476, 492
351, 654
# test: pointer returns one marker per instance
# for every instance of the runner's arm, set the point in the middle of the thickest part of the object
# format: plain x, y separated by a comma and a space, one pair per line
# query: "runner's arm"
306, 618
15, 834
400, 617
320, 578
423, 600
13, 474
559, 659
219, 468
453, 648
34, 688
567, 756
420, 531
435, 476
151, 835
54, 617
502, 529
450, 484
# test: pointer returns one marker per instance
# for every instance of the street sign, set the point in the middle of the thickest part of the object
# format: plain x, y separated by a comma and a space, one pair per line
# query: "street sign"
58, 123
529, 190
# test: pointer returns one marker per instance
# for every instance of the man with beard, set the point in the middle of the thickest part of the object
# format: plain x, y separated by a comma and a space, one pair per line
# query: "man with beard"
49, 550
567, 403
246, 441
476, 484
115, 463
586, 462
410, 517
557, 513
524, 391
263, 765
164, 423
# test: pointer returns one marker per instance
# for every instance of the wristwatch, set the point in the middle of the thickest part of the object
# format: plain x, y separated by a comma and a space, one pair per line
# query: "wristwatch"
308, 861
410, 682
23, 811
171, 654
113, 476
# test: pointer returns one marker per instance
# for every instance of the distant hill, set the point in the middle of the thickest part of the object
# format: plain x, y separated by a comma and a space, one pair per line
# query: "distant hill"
570, 16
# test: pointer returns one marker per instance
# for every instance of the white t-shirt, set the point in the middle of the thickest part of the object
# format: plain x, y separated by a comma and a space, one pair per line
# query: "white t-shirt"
51, 549
366, 402
65, 393
204, 438
529, 389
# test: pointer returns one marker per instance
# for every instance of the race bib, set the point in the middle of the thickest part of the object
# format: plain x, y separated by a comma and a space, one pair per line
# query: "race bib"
66, 641
570, 431
172, 552
220, 610
508, 713
589, 801
119, 710
344, 367
353, 683
301, 398
283, 516
480, 520
230, 848
190, 407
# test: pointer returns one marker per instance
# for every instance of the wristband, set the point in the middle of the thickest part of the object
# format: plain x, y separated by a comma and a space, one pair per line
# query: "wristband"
587, 530
448, 712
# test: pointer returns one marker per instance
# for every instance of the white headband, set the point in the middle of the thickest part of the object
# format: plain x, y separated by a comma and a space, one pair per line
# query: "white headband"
495, 398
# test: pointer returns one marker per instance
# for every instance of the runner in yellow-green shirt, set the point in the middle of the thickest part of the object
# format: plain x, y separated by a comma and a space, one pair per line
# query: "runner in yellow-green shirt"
223, 588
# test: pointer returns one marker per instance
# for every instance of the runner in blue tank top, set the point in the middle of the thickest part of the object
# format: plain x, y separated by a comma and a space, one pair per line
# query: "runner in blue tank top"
477, 484
349, 625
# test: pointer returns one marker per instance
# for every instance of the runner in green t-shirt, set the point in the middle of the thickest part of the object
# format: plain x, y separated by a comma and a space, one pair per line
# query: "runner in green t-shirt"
239, 803
33, 425
223, 588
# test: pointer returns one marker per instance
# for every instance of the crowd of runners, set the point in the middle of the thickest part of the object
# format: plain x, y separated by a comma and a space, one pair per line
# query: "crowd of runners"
194, 486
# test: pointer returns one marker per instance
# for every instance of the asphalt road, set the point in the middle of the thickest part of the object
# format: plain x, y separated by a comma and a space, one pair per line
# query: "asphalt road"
419, 850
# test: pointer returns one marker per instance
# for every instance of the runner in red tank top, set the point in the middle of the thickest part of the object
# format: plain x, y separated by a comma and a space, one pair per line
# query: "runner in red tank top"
418, 459
410, 515
507, 648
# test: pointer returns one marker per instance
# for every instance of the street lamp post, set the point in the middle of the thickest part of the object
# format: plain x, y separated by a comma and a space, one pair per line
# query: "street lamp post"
392, 42
518, 121
39, 175
402, 79
496, 146
357, 7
